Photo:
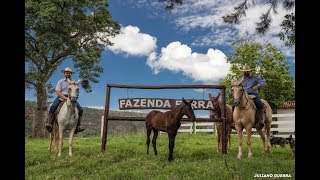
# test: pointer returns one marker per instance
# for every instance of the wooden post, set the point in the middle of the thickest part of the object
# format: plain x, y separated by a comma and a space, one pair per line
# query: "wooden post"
105, 122
224, 127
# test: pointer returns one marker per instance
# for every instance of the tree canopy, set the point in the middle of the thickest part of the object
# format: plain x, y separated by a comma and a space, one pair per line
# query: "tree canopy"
56, 30
269, 63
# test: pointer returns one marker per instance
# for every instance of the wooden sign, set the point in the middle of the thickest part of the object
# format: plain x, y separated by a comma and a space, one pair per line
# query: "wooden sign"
157, 103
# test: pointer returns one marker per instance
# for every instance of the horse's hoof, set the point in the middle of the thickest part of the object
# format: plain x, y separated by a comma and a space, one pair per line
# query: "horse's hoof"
239, 157
70, 155
59, 155
249, 155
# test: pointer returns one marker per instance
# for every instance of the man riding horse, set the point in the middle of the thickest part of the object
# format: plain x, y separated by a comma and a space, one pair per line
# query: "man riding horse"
251, 84
62, 92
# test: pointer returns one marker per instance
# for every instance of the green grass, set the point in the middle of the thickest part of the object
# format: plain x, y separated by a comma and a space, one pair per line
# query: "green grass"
195, 157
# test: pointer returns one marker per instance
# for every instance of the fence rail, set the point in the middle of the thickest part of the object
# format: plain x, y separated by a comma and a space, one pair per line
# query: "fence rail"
285, 127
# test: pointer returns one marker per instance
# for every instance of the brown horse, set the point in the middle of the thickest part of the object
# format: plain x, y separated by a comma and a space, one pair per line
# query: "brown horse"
167, 122
244, 117
217, 105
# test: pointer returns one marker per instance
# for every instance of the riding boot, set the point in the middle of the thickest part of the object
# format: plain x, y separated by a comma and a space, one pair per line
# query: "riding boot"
261, 118
78, 129
49, 123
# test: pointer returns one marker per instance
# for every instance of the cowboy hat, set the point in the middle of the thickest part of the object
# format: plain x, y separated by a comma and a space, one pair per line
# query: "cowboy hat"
246, 68
67, 70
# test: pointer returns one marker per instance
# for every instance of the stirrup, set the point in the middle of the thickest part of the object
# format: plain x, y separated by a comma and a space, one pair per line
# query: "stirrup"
78, 129
49, 127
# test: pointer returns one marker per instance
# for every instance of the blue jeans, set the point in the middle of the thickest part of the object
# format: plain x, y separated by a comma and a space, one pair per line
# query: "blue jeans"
56, 103
257, 101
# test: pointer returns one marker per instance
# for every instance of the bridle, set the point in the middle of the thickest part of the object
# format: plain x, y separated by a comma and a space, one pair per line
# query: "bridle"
237, 102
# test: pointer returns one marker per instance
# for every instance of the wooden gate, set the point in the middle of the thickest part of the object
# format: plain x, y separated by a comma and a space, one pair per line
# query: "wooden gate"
118, 118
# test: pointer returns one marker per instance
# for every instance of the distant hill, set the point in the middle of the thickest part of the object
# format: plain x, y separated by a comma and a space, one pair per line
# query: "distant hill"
91, 121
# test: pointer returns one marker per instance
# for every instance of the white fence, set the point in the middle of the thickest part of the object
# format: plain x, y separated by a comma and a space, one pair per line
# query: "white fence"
285, 122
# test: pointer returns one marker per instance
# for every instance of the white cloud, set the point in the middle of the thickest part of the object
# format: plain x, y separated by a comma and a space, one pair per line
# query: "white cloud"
131, 41
177, 57
207, 15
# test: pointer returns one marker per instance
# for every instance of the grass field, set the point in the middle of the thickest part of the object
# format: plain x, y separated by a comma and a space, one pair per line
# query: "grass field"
195, 157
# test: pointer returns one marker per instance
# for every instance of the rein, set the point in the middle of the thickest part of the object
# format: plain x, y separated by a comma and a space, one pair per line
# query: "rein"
240, 99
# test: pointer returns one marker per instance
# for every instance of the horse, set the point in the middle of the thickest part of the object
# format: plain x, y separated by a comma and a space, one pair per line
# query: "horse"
167, 122
67, 117
216, 111
244, 117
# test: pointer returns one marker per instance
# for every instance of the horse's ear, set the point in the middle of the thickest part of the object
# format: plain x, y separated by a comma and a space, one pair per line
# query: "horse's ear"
183, 100
217, 98
191, 101
79, 81
210, 96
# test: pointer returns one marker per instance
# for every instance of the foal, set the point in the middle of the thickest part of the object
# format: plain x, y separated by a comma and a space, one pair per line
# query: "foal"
167, 122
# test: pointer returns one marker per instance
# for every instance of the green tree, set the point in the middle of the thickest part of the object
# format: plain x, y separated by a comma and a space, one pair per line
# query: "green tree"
269, 63
56, 30
288, 27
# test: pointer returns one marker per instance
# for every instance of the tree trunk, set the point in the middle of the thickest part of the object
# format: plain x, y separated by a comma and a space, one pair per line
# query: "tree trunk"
41, 111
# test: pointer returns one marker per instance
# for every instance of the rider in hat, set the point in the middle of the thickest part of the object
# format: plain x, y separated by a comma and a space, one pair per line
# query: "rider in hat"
62, 92
251, 84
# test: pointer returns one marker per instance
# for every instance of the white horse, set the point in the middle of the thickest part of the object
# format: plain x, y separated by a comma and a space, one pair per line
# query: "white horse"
67, 118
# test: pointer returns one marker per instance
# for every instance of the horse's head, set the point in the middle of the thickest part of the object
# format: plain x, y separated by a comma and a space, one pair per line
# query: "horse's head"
73, 91
187, 109
237, 93
216, 107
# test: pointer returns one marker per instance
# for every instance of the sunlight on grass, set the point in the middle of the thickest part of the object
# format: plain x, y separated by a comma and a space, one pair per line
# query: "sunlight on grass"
195, 157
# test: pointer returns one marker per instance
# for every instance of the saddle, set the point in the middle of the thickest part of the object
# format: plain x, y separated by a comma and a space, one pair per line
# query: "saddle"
58, 110
59, 107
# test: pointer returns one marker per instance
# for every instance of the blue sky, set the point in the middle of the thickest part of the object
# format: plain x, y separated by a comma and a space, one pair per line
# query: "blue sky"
186, 46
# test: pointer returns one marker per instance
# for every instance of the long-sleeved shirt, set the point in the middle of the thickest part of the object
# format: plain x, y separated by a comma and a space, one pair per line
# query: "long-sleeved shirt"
249, 82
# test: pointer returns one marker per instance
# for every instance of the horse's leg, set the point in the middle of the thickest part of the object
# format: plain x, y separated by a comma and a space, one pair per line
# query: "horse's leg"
148, 139
60, 141
263, 138
154, 141
70, 140
239, 129
249, 132
172, 137
55, 138
51, 139
267, 132
229, 139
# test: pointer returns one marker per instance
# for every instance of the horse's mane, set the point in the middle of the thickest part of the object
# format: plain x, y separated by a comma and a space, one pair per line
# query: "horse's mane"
176, 107
250, 101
